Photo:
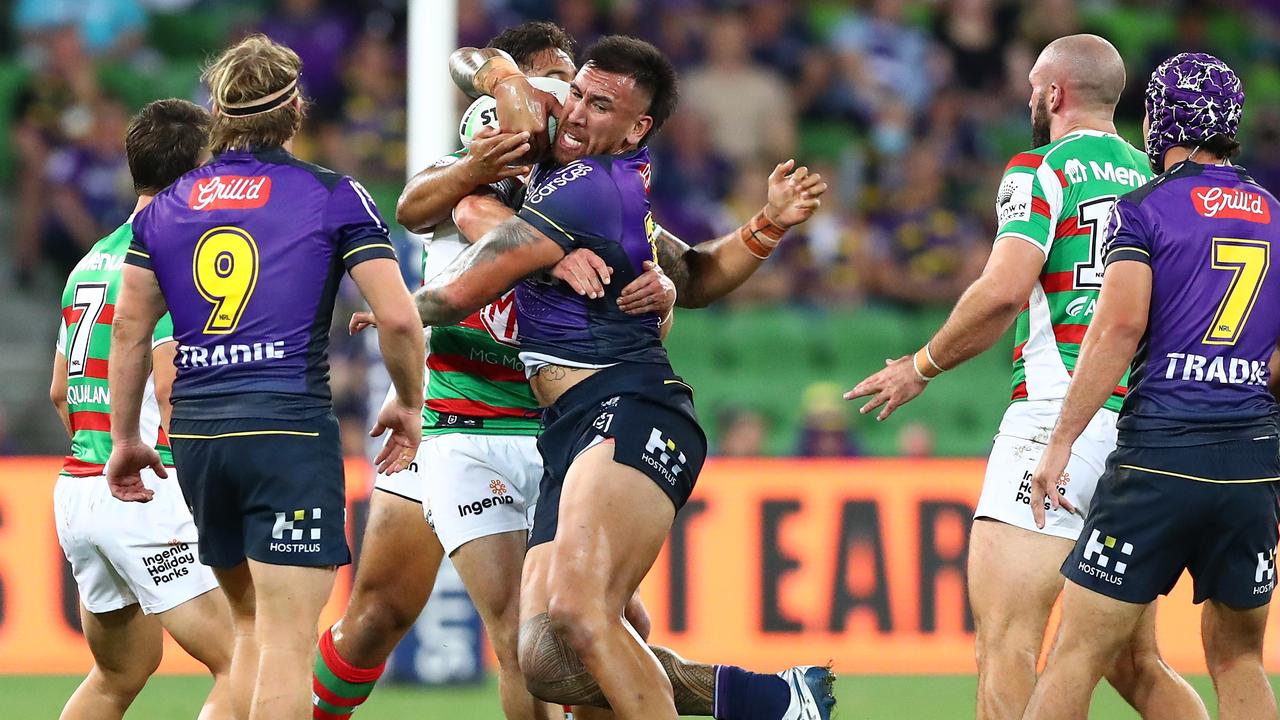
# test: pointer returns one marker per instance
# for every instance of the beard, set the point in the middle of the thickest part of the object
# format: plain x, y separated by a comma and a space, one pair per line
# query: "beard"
1040, 124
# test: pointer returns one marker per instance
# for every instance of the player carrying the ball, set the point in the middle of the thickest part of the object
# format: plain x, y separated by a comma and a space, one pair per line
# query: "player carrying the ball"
621, 445
475, 478
1044, 272
1188, 309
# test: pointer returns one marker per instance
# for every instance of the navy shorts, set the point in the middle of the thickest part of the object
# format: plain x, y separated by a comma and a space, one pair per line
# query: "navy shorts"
1159, 510
648, 414
270, 490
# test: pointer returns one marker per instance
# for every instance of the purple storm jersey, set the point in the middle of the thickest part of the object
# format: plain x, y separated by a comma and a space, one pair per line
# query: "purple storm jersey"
249, 251
600, 203
1200, 374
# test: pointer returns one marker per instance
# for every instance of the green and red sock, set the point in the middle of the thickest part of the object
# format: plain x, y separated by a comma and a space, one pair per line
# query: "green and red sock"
338, 687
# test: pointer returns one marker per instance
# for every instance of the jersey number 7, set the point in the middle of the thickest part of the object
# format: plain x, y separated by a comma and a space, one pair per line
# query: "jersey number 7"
1249, 261
225, 268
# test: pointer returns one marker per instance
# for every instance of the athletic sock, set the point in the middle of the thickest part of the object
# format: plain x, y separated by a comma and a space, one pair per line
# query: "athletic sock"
744, 695
338, 687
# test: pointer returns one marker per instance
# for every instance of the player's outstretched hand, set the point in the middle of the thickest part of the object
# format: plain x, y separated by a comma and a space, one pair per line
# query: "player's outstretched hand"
894, 386
493, 156
584, 271
794, 195
361, 320
124, 471
652, 292
524, 108
1045, 481
405, 424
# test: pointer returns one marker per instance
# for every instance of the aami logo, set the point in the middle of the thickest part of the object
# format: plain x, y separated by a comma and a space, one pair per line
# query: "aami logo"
1082, 306
645, 175
1231, 204
230, 192
499, 318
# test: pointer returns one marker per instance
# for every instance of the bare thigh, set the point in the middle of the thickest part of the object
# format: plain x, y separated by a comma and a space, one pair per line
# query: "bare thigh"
202, 626
1014, 574
124, 642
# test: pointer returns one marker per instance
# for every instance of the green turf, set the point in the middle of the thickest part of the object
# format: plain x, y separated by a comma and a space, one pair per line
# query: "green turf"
861, 698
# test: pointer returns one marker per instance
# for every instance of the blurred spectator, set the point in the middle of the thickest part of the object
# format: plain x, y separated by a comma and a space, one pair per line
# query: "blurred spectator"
319, 34
108, 28
90, 186
975, 34
52, 109
690, 178
919, 252
743, 432
746, 105
824, 426
915, 440
885, 58
368, 140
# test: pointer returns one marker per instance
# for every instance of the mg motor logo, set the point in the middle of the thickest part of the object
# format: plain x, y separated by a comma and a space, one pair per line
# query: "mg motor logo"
230, 192
1231, 204
499, 318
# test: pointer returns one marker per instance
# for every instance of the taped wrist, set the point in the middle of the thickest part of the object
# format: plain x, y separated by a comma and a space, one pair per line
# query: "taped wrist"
761, 235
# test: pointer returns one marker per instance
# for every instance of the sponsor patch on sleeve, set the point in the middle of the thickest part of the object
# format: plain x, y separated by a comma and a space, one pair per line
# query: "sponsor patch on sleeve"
1013, 199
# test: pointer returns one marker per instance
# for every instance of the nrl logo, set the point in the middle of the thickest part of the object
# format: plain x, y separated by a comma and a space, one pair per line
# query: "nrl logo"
499, 318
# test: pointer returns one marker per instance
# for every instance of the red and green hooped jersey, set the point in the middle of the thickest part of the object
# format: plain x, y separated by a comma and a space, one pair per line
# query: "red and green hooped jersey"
84, 339
474, 371
1058, 197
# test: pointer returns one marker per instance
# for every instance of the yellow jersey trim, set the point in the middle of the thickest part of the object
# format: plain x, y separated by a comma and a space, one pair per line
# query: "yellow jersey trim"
366, 247
553, 223
1197, 478
245, 433
139, 253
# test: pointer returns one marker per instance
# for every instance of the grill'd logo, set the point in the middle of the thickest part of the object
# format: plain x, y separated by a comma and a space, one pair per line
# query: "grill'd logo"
1231, 204
230, 192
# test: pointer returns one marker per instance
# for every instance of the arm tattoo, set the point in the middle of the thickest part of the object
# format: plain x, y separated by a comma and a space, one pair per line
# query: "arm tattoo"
673, 258
438, 306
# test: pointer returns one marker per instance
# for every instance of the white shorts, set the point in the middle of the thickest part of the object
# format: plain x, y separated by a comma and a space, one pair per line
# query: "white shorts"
471, 486
123, 553
1006, 489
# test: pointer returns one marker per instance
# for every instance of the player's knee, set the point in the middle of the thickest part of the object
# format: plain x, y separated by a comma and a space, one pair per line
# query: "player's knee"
377, 616
578, 619
1005, 637
543, 659
552, 671
123, 683
1224, 652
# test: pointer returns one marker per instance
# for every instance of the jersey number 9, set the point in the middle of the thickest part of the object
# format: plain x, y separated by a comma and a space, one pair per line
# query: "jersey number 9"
225, 268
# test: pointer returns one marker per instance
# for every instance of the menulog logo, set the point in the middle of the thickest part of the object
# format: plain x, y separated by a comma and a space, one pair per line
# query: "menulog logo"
230, 192
1231, 204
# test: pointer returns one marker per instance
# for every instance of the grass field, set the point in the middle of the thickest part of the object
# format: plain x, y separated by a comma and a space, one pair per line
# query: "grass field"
35, 697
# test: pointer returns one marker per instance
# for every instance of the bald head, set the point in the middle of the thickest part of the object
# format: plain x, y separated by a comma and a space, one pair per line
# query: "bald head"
1087, 68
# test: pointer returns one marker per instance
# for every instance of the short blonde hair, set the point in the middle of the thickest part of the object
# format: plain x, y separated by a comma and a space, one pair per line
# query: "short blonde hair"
249, 71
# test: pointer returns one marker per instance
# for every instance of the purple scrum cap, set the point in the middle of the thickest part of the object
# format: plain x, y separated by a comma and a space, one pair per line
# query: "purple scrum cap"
1191, 98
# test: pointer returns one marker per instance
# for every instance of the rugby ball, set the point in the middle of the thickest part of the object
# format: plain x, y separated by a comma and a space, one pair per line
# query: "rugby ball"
483, 112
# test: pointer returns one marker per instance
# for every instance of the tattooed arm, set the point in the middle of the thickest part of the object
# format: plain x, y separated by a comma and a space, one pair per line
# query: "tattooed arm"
708, 271
486, 269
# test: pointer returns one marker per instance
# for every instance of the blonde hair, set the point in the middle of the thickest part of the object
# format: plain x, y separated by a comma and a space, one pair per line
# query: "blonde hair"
254, 70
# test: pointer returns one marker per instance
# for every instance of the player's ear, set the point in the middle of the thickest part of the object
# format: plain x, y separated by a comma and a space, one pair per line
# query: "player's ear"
639, 129
1055, 97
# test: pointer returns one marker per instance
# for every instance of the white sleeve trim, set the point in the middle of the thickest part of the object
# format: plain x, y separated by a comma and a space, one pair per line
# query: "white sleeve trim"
1027, 238
1053, 196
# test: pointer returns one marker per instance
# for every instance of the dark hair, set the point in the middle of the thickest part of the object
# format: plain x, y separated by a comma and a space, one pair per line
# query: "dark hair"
526, 40
1223, 146
645, 64
164, 142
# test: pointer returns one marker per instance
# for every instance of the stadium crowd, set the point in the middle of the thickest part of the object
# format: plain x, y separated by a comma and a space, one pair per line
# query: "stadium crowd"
910, 106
